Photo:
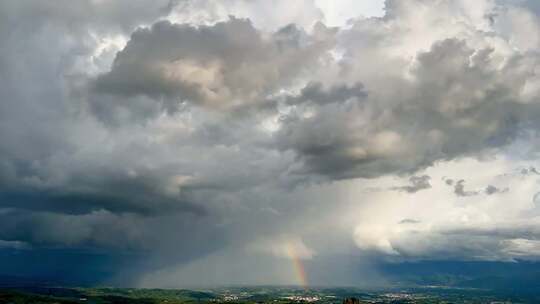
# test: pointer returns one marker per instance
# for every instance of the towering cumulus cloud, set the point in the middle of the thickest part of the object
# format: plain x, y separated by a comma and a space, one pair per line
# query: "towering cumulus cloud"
230, 63
197, 141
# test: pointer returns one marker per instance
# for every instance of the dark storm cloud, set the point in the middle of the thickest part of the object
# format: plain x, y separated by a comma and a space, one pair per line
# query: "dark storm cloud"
98, 229
68, 267
64, 180
83, 202
320, 138
121, 187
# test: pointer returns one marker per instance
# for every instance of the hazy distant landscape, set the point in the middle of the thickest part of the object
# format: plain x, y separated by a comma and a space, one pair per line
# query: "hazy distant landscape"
263, 294
420, 283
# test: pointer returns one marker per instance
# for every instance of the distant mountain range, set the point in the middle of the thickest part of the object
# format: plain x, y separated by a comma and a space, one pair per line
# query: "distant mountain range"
517, 276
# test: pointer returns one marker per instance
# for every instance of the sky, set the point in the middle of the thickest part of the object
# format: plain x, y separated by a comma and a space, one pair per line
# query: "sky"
174, 143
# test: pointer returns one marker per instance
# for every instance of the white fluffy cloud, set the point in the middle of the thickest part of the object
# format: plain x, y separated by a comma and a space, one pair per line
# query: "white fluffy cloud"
438, 223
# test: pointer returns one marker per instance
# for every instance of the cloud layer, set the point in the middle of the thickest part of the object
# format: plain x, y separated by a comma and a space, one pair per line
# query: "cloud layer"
193, 130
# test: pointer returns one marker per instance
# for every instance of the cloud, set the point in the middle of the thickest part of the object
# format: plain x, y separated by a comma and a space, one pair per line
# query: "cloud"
490, 190
531, 170
178, 131
218, 66
284, 247
454, 100
522, 248
418, 183
436, 224
264, 15
409, 221
14, 245
459, 189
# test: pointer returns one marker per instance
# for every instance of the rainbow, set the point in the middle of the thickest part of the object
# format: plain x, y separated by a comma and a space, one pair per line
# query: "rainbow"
298, 266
